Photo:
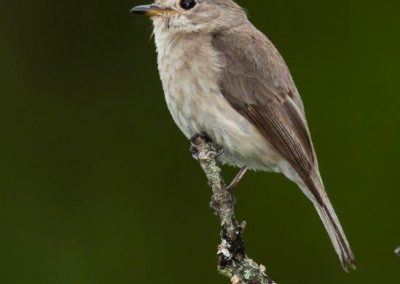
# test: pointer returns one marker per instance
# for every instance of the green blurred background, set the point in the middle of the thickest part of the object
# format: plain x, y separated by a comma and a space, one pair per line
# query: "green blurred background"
97, 184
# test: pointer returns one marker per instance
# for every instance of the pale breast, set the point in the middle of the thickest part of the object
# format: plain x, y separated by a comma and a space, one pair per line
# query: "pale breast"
189, 70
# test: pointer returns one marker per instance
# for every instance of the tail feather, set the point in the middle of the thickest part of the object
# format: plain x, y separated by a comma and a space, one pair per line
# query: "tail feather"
331, 222
337, 236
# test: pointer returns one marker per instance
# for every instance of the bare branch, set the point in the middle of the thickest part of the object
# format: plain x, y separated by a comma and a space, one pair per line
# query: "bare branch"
232, 259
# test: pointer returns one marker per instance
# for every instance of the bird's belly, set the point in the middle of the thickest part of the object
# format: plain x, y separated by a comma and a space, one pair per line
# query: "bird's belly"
200, 109
190, 75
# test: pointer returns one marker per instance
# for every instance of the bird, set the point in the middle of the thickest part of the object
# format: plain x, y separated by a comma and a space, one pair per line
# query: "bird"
224, 79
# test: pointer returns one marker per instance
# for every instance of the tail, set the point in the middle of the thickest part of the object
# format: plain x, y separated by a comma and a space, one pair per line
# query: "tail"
331, 222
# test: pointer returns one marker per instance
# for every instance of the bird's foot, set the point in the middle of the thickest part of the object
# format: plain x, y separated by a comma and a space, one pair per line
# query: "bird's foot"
197, 141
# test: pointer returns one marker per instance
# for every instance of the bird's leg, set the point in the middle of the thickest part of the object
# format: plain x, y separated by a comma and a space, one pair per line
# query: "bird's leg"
235, 182
194, 150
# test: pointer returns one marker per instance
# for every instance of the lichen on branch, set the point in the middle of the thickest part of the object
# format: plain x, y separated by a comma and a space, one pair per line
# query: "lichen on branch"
232, 259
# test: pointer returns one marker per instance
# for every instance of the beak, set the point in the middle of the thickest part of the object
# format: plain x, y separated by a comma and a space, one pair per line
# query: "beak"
149, 10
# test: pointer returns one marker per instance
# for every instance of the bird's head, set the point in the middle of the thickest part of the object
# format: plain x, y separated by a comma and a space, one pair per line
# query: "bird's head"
188, 16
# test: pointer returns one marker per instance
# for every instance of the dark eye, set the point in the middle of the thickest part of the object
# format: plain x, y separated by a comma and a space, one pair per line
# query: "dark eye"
188, 4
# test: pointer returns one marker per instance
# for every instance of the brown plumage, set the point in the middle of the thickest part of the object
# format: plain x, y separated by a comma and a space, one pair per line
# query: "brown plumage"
257, 83
223, 77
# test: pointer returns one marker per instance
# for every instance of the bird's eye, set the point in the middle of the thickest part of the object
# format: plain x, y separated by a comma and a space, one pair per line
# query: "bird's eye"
188, 4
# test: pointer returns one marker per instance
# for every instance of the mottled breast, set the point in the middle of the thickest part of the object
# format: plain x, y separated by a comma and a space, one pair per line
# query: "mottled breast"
190, 70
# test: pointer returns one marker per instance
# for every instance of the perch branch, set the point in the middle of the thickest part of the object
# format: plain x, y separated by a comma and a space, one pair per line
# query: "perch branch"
232, 259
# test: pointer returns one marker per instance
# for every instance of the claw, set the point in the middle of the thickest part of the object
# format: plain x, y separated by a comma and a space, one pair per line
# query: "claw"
193, 151
234, 184
220, 152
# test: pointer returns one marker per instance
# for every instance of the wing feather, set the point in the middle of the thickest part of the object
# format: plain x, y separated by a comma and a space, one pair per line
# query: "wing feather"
257, 83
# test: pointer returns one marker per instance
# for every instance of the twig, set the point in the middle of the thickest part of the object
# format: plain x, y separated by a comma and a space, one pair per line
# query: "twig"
232, 259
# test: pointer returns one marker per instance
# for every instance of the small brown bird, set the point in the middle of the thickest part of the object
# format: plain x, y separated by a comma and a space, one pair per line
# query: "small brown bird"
223, 78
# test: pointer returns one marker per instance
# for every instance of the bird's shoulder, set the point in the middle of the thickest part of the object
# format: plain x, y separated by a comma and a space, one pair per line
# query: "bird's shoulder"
249, 56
